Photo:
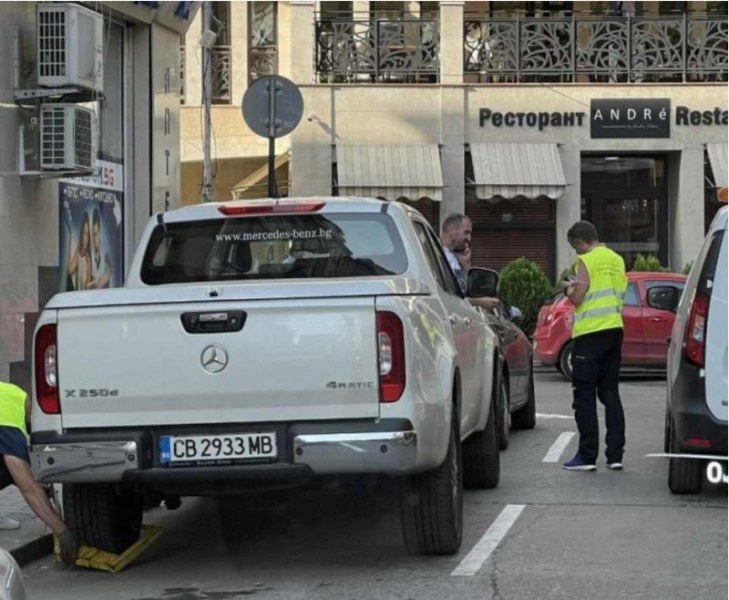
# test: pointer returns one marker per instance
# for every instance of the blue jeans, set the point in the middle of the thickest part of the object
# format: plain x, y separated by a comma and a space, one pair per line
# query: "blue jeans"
595, 370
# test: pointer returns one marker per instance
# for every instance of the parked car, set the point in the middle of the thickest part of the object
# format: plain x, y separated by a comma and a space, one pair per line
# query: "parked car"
650, 309
11, 579
516, 405
235, 359
696, 408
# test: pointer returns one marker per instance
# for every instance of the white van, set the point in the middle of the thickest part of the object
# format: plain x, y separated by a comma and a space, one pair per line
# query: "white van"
696, 412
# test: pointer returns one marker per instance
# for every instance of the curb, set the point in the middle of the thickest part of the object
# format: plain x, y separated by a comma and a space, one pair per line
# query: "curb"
33, 550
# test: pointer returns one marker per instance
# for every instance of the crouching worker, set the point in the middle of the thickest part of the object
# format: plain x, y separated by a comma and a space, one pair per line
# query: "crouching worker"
15, 407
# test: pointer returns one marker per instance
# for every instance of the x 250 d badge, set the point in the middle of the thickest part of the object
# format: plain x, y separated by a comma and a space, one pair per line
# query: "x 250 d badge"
91, 393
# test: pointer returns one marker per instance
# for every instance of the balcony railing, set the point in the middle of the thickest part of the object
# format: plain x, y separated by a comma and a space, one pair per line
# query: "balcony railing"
182, 74
220, 63
262, 61
585, 48
377, 51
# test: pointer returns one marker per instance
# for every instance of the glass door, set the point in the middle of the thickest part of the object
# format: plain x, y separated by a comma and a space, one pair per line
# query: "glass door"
625, 197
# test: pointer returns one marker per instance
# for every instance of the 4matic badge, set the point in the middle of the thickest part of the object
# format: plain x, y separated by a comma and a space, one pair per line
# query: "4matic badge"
350, 385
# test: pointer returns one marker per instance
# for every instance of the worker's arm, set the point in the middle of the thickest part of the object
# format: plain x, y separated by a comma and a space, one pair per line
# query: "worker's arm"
486, 302
35, 496
577, 290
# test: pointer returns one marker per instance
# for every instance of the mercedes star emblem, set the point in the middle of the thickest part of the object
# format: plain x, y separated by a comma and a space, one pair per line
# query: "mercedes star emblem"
214, 358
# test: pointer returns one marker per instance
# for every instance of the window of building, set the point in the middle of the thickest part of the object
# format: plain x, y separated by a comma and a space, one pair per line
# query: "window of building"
626, 198
263, 39
530, 9
673, 8
430, 10
332, 11
388, 10
221, 21
717, 8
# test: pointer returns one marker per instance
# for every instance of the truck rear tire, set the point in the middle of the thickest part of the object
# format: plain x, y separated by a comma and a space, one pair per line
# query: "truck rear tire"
103, 517
481, 459
431, 503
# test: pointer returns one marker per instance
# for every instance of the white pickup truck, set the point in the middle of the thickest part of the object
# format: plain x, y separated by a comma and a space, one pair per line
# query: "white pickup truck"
261, 344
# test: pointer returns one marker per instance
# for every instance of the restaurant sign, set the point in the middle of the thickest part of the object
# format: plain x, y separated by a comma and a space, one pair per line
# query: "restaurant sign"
630, 118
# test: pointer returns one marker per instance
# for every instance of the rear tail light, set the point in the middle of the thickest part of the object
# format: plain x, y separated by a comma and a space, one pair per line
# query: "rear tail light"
46, 370
391, 346
696, 330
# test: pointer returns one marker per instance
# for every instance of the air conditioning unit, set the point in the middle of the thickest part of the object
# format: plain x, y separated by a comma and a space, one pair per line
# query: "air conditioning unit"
70, 46
68, 135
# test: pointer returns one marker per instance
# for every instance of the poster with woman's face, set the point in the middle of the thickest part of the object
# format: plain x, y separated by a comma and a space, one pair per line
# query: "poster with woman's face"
90, 232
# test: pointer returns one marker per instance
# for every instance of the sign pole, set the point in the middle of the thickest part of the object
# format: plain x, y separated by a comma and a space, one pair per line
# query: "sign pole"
272, 107
271, 138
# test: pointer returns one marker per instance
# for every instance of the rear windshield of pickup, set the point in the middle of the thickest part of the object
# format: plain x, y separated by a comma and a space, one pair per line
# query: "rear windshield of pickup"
274, 247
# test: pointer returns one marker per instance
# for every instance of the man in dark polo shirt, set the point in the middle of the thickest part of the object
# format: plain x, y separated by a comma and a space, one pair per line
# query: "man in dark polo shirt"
15, 407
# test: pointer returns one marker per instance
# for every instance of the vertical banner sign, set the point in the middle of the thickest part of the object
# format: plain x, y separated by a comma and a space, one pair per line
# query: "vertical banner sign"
90, 229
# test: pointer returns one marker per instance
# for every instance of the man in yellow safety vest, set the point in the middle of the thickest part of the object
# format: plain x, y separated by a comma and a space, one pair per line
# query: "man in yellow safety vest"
15, 407
597, 292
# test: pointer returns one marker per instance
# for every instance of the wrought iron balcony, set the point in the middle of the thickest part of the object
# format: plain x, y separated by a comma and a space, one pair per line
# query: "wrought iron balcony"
182, 74
586, 48
262, 61
221, 66
377, 50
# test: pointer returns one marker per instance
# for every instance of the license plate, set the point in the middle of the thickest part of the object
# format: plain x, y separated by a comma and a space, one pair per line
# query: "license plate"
217, 449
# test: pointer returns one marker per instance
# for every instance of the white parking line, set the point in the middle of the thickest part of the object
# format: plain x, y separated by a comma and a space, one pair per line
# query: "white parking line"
558, 447
474, 560
548, 416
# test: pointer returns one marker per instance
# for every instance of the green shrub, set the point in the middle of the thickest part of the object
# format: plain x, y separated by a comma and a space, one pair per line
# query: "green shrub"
524, 285
687, 268
648, 262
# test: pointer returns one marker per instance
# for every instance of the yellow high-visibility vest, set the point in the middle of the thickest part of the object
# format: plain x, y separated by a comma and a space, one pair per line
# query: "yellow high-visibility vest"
601, 309
12, 406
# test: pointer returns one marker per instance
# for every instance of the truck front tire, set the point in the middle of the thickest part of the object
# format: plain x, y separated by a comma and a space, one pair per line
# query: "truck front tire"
102, 516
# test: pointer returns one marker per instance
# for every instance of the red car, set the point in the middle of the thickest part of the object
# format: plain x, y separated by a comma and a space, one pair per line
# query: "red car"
650, 309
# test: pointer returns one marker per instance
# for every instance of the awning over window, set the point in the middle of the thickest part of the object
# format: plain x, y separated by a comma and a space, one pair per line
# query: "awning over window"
391, 172
718, 160
504, 171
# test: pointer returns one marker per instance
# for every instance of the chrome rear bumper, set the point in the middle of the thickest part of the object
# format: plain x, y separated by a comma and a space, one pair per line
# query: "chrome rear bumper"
96, 462
385, 452
388, 452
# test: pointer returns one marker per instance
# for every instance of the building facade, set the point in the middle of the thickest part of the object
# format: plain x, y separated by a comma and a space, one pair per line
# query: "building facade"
527, 116
69, 219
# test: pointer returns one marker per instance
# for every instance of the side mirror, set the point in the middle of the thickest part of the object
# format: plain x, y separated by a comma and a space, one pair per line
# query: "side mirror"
664, 297
482, 282
515, 314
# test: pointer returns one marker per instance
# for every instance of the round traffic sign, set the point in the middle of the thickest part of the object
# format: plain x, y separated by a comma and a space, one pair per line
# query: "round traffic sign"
272, 106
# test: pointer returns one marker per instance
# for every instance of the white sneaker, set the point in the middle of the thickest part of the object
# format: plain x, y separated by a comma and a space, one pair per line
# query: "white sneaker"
6, 523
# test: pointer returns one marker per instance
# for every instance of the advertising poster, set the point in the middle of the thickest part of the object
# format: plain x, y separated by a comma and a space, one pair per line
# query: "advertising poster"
90, 230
